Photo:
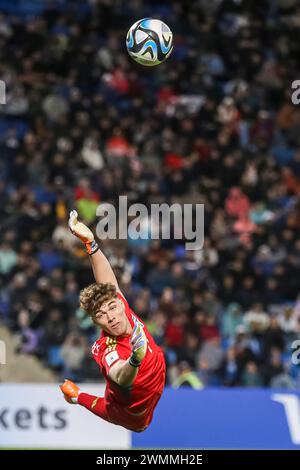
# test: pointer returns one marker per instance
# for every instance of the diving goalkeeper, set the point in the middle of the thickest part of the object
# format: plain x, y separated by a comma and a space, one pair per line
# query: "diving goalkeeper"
132, 364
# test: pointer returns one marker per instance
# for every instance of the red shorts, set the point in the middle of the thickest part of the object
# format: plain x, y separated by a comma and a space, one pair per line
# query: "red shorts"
135, 421
114, 413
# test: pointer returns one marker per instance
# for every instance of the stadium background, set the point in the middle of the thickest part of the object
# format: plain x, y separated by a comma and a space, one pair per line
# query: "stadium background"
214, 124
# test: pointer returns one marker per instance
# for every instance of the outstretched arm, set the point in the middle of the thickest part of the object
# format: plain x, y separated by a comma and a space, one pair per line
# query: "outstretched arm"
102, 270
124, 372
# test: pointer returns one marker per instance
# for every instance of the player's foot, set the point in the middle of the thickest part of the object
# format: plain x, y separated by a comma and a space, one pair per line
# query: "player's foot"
70, 391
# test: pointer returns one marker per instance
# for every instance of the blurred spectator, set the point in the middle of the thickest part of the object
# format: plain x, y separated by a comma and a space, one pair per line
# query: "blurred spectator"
208, 328
189, 350
175, 330
274, 367
8, 258
212, 352
187, 377
54, 329
256, 319
231, 319
251, 376
237, 204
287, 321
156, 326
28, 338
73, 353
229, 370
91, 154
273, 337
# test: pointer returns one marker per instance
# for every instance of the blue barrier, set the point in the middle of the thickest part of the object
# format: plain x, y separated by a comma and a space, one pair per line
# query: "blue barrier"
224, 419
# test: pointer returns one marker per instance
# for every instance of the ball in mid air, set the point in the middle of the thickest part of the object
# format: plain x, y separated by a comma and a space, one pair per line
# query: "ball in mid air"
149, 42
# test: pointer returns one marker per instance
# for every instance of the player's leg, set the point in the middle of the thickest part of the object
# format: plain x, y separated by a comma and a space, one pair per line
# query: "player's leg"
98, 406
92, 403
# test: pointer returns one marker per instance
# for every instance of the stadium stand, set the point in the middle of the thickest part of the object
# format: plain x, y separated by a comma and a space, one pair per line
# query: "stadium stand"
214, 124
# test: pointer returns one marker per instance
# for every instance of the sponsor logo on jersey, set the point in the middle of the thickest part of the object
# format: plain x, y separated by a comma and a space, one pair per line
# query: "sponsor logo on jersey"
111, 358
111, 343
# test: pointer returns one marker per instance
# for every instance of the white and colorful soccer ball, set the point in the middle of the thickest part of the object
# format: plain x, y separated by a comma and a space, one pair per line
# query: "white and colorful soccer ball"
149, 41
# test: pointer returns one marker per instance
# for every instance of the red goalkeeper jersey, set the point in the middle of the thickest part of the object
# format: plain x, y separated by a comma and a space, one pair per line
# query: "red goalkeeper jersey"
131, 406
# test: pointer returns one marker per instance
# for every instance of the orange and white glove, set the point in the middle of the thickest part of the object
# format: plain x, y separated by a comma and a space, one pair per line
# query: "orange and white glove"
82, 232
70, 391
138, 343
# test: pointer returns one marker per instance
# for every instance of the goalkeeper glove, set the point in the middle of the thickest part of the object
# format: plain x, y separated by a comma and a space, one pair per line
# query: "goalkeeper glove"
70, 391
82, 232
138, 344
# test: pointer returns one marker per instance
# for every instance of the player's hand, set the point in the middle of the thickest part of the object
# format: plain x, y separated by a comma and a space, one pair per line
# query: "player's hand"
138, 343
82, 232
70, 391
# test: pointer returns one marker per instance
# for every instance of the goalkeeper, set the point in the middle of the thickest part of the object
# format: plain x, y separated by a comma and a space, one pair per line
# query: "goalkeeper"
132, 364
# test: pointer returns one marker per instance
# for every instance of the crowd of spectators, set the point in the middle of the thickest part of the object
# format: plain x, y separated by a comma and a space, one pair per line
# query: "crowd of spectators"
215, 124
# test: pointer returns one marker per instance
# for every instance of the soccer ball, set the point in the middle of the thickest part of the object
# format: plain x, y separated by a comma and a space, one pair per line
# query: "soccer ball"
149, 42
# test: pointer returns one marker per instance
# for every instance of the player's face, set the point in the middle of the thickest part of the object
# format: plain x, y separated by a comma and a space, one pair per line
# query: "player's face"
111, 317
